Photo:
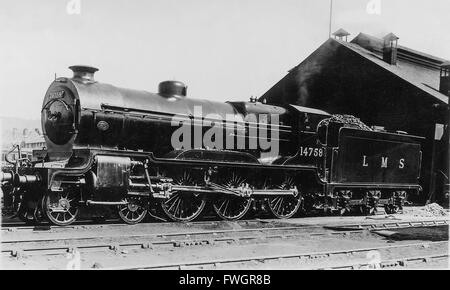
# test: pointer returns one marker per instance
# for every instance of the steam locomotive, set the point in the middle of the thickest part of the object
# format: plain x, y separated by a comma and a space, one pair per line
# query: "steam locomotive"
163, 153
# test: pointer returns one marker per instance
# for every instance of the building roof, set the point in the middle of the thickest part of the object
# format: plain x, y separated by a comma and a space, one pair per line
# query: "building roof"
375, 44
446, 64
417, 68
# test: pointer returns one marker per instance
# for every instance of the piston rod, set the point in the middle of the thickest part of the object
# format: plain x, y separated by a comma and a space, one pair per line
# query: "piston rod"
91, 202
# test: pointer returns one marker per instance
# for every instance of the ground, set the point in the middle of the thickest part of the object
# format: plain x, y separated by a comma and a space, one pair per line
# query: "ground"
305, 243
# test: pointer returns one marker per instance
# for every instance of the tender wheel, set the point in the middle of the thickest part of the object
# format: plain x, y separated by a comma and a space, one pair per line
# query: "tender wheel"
285, 207
374, 197
343, 202
370, 198
232, 207
133, 212
391, 209
60, 208
367, 210
343, 211
184, 206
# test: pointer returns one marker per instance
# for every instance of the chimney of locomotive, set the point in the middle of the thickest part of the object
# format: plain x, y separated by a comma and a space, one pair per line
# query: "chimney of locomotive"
444, 86
170, 89
390, 48
83, 72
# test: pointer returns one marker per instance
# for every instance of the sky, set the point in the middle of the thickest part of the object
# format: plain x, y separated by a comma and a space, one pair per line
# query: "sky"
222, 49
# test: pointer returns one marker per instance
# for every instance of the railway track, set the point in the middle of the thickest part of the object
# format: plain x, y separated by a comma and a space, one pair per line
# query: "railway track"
55, 246
20, 227
16, 226
5, 228
394, 225
305, 259
391, 263
48, 245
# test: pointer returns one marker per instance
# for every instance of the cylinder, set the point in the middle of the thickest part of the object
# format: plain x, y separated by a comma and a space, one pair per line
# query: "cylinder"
6, 177
26, 179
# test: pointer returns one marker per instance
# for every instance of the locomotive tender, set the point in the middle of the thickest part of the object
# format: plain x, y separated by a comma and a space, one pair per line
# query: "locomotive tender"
109, 146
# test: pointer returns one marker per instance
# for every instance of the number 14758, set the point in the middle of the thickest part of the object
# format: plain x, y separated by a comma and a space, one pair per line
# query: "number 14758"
311, 152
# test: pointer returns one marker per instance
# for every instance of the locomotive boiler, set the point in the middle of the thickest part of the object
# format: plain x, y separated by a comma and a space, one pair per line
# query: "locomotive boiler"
166, 153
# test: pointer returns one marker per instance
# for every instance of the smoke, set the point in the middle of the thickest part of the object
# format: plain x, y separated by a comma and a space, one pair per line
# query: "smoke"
309, 69
303, 75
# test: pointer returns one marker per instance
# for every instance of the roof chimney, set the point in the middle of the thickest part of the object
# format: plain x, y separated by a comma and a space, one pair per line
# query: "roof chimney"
390, 49
83, 72
444, 86
340, 34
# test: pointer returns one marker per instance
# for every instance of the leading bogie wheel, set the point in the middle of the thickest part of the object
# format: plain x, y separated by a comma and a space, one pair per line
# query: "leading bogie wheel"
60, 208
23, 209
133, 212
25, 214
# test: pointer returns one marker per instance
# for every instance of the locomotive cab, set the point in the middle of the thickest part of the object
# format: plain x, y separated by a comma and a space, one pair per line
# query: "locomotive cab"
328, 138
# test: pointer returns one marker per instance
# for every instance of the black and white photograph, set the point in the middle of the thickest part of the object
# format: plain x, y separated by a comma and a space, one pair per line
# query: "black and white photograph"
224, 140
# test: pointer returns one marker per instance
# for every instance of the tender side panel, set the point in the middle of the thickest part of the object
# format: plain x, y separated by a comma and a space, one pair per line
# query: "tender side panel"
377, 158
